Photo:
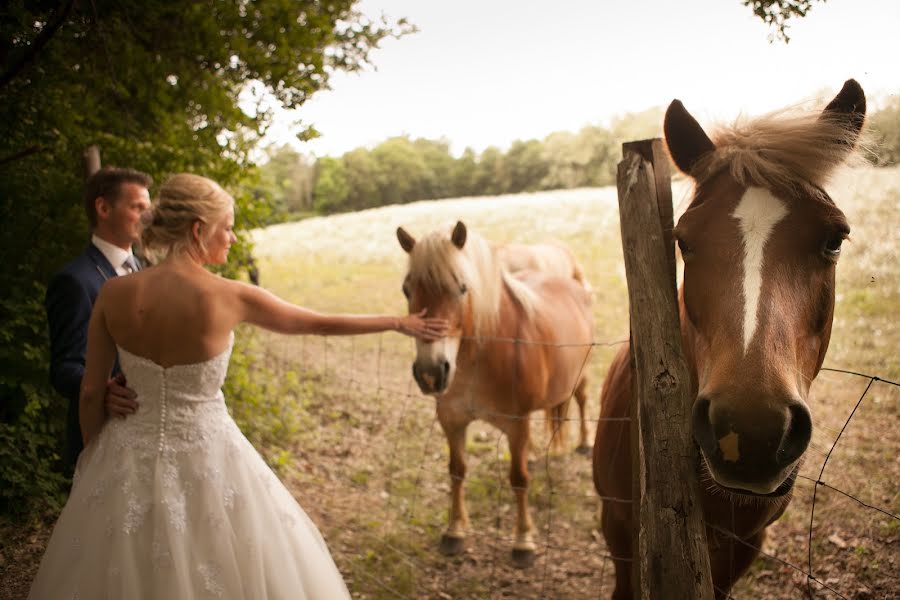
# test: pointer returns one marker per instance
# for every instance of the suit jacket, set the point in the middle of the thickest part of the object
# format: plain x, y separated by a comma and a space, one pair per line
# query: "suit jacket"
70, 298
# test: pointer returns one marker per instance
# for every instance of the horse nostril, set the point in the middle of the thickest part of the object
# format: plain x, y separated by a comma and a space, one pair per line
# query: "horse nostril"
446, 367
700, 424
796, 439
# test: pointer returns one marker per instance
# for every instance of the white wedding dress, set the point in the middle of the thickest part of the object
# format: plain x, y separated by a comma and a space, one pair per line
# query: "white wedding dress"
174, 503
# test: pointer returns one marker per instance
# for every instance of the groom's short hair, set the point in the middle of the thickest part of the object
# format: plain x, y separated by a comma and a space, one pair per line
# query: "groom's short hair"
107, 182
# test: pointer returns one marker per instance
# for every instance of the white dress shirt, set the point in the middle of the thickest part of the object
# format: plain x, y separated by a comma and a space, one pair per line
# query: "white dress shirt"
115, 255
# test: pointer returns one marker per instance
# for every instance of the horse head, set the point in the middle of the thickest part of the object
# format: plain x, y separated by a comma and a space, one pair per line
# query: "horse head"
760, 242
449, 276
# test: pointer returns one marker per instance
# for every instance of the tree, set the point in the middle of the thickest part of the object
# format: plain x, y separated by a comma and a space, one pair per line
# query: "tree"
284, 183
463, 174
331, 189
777, 13
363, 174
403, 173
489, 176
440, 166
157, 85
525, 166
885, 127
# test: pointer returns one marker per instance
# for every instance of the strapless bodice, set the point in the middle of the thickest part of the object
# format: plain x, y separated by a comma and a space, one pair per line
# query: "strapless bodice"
196, 382
179, 407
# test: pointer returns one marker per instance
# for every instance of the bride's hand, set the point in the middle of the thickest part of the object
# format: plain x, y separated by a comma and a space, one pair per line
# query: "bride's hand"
422, 327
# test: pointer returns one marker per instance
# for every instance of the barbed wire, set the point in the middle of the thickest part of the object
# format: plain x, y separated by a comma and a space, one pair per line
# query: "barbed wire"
382, 387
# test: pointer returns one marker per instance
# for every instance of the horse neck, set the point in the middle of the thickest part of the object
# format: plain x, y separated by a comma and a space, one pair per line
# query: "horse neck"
497, 327
488, 291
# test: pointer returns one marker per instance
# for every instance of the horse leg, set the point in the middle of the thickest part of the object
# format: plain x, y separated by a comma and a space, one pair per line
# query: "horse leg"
581, 398
730, 558
617, 533
453, 540
518, 435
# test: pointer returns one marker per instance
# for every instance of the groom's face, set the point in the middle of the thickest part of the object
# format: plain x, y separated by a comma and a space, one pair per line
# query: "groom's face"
122, 216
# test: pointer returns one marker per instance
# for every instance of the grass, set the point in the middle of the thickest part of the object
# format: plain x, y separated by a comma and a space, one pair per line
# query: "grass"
346, 428
353, 263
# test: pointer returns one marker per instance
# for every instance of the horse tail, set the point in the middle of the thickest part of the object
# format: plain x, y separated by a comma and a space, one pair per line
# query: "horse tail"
557, 426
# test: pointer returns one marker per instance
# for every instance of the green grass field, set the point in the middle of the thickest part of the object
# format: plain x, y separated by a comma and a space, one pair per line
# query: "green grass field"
343, 424
372, 466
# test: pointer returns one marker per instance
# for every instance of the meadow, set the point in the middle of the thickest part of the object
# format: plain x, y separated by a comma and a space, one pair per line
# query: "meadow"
344, 425
368, 459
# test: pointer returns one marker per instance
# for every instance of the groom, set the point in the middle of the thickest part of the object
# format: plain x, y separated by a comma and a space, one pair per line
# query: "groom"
114, 201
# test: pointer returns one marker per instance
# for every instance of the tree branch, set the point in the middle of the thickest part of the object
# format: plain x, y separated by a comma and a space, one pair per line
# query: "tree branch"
21, 154
39, 42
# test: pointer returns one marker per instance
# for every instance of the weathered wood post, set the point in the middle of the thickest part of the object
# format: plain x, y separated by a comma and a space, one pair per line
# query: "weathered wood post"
670, 555
91, 160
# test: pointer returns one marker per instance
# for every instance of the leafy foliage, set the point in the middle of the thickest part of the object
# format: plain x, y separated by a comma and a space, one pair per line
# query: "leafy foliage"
268, 407
885, 126
157, 86
777, 13
284, 184
401, 170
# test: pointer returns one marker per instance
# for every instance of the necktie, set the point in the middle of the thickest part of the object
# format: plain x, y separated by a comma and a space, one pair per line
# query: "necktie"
129, 265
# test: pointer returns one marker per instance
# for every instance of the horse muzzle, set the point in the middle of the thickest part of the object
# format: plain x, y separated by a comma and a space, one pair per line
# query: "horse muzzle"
752, 450
433, 379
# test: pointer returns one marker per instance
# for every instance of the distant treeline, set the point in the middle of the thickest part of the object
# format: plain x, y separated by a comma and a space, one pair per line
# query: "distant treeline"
401, 169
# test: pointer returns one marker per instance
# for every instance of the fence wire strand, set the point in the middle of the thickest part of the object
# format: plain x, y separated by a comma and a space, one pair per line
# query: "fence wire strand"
394, 510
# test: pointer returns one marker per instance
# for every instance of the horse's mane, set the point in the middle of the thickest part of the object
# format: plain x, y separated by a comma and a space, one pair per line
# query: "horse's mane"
441, 267
787, 149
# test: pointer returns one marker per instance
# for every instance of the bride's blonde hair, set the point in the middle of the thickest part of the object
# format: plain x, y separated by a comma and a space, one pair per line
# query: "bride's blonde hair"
183, 200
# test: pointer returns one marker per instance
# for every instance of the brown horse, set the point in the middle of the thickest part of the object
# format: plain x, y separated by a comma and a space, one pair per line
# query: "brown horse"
760, 241
516, 344
550, 257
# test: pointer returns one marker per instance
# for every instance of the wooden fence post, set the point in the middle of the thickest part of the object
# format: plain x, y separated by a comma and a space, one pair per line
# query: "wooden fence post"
91, 158
669, 549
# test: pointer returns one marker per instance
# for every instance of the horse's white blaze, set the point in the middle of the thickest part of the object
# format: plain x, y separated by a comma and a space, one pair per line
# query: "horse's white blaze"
757, 213
431, 353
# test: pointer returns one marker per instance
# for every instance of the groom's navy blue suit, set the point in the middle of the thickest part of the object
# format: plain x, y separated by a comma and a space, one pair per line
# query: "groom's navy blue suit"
70, 298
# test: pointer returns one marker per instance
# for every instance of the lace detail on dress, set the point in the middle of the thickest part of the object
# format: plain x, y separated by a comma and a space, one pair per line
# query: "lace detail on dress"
211, 573
181, 410
161, 505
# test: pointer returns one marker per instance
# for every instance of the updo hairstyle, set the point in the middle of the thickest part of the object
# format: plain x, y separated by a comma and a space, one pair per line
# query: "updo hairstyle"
183, 199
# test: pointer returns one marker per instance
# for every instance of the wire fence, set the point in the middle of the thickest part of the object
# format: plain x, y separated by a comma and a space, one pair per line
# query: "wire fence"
402, 560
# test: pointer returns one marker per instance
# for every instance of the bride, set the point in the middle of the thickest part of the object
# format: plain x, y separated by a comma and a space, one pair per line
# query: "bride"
173, 502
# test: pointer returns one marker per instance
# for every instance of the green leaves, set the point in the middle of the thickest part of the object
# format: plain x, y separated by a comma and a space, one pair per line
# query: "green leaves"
777, 13
155, 84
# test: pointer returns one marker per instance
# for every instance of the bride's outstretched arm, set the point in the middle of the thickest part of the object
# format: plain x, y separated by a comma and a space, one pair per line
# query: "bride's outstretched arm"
101, 356
267, 310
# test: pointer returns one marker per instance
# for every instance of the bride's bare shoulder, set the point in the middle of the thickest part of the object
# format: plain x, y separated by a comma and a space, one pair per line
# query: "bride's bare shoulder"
116, 286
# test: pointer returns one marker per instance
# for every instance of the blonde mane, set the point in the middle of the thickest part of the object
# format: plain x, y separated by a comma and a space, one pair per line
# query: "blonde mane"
783, 150
438, 265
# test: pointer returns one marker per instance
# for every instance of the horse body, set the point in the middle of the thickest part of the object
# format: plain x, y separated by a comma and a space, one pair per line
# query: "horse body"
760, 242
550, 257
735, 526
517, 344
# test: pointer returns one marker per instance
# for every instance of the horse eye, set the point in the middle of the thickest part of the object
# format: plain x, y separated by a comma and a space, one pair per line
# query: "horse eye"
682, 245
463, 289
832, 247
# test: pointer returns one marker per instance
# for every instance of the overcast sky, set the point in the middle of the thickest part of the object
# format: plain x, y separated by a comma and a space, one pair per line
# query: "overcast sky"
487, 72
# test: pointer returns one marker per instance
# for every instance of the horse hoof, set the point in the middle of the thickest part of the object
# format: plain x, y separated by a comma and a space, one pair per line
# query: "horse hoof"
584, 450
522, 558
451, 546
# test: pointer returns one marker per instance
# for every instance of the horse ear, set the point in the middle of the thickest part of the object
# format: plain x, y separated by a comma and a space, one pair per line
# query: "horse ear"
685, 138
407, 242
848, 107
459, 235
